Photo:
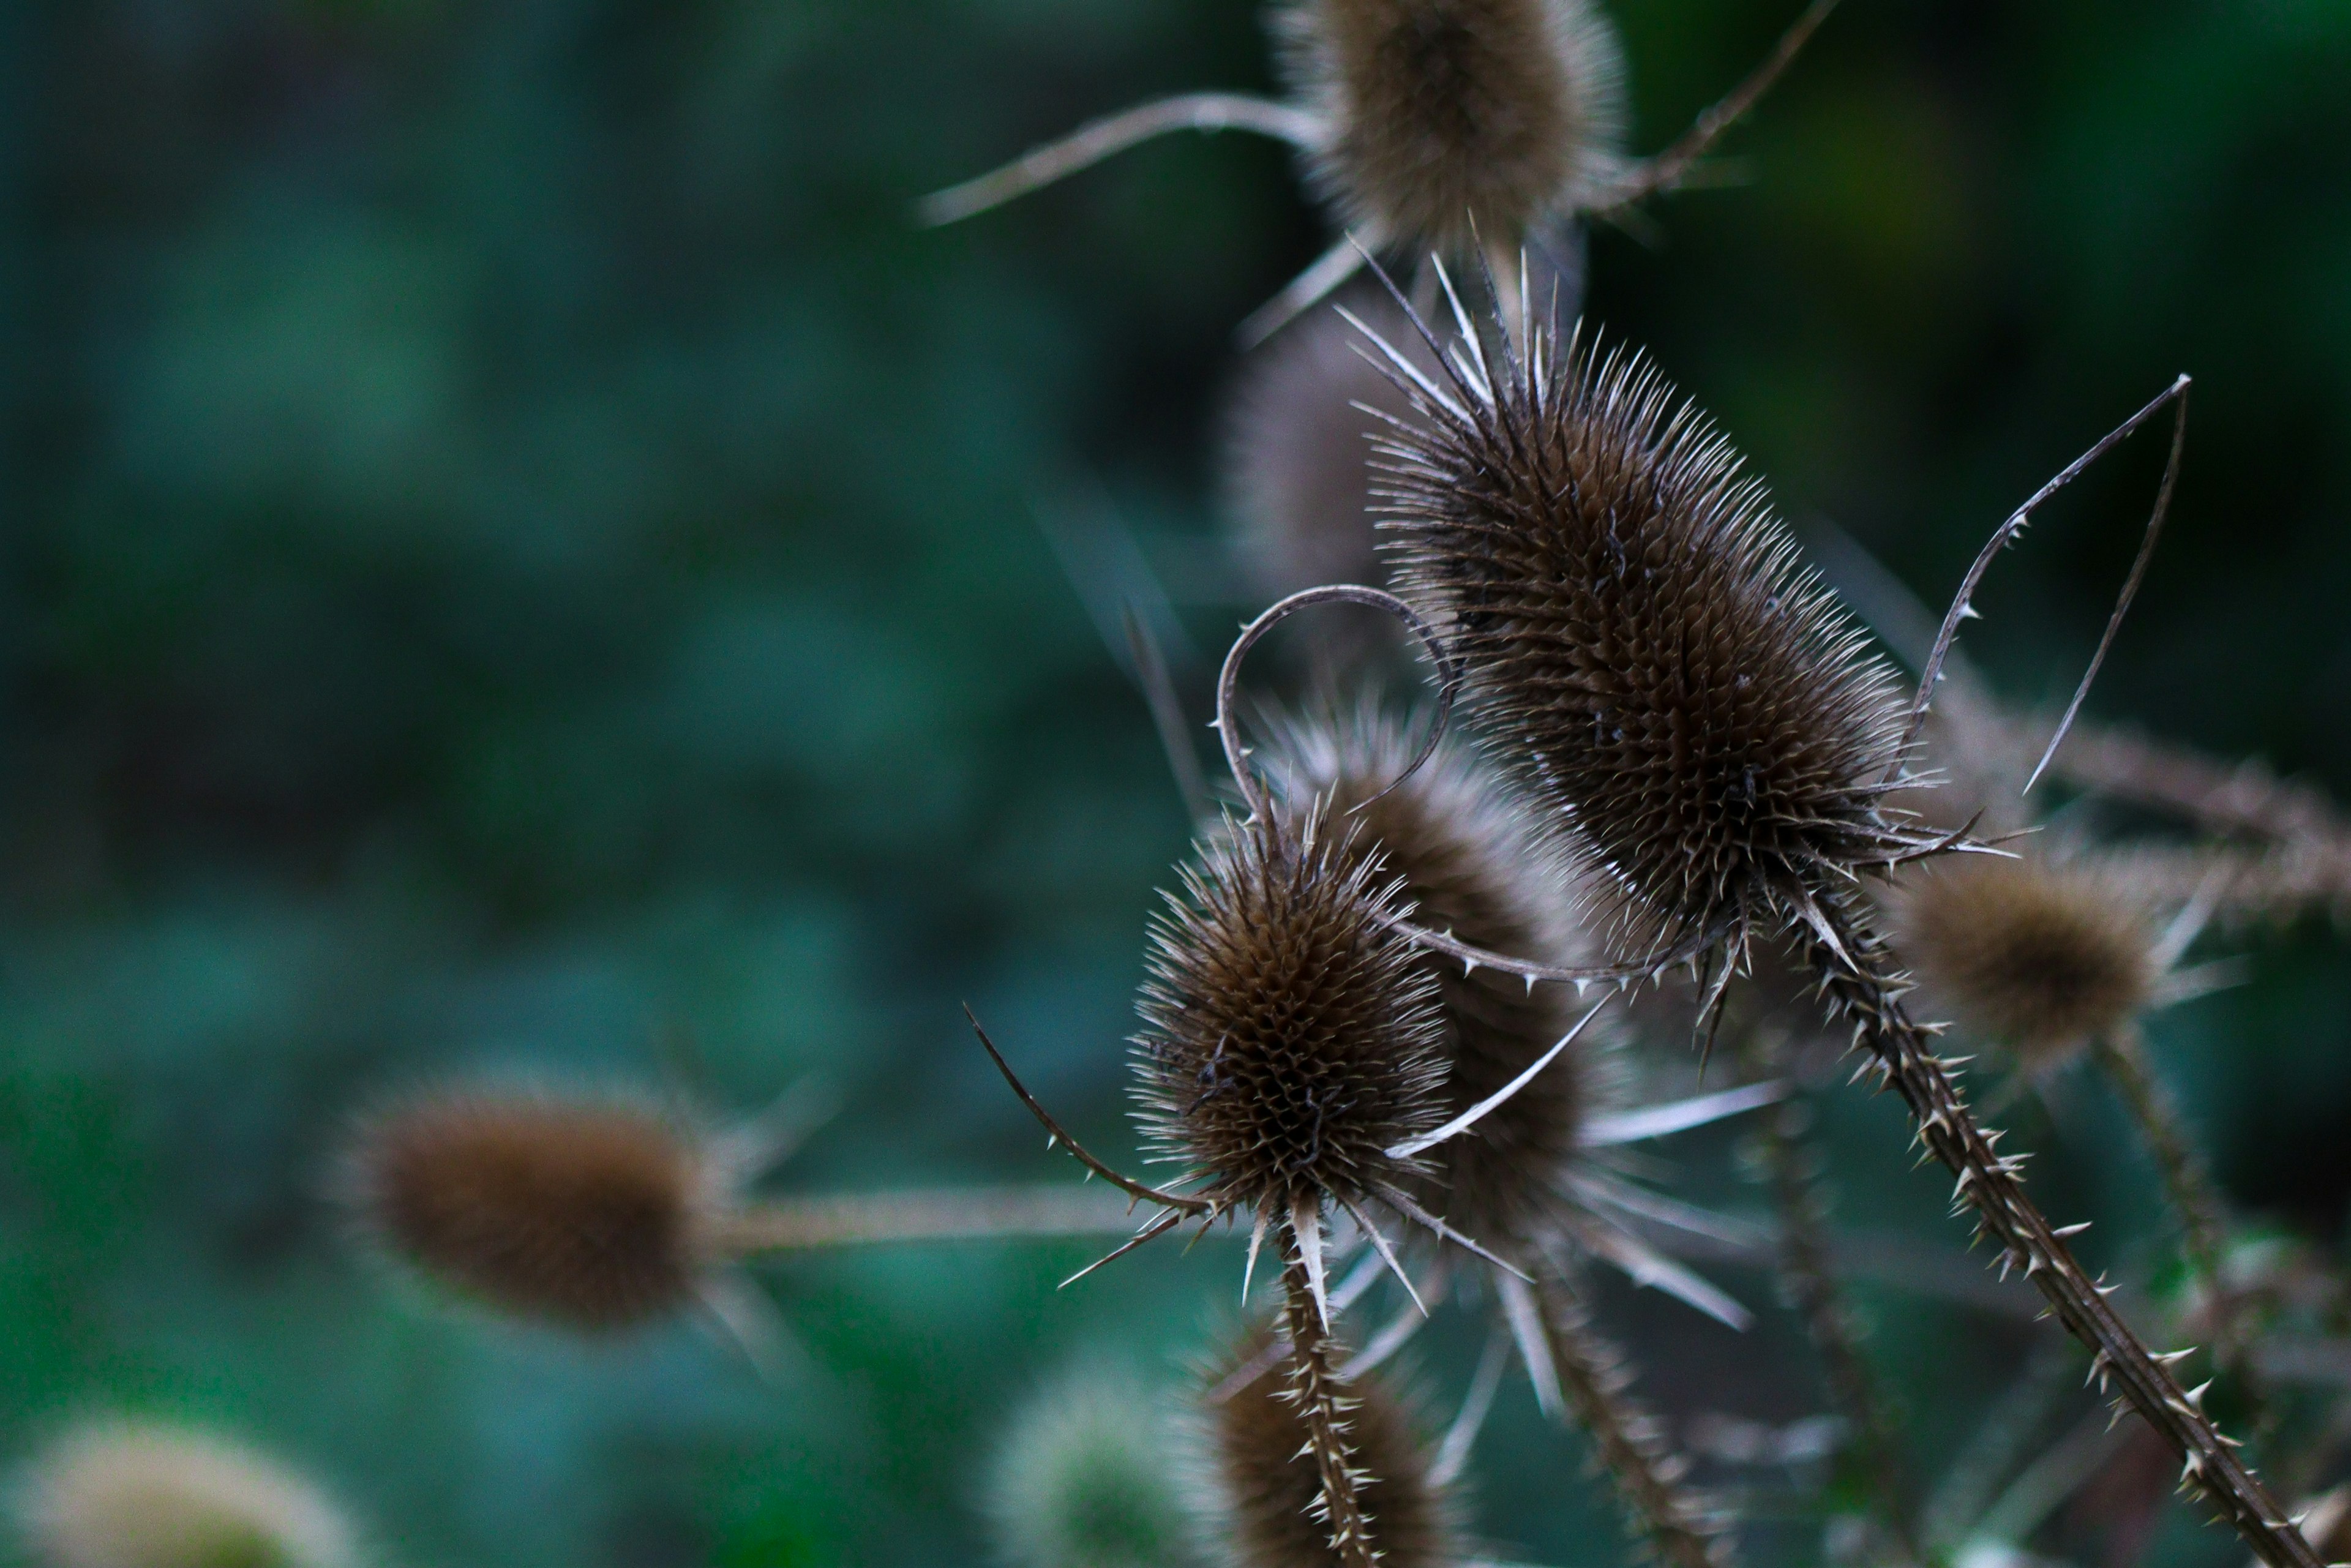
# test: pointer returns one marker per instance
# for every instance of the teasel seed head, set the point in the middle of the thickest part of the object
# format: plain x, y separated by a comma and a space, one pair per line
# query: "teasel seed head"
1290, 1035
593, 1213
1263, 1483
2042, 954
1679, 690
1473, 865
121, 1494
1084, 1479
1453, 121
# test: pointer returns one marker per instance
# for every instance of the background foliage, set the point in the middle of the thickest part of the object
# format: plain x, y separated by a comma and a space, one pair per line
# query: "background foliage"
516, 554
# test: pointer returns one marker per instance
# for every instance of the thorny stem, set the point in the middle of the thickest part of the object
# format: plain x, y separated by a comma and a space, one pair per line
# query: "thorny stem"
1859, 980
2188, 1184
1321, 1404
861, 1218
1629, 1442
1792, 1163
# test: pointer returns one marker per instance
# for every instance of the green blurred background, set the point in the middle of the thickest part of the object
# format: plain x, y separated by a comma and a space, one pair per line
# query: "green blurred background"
518, 553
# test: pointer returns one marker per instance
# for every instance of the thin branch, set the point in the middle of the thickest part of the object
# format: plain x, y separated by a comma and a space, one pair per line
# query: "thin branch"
1167, 715
1112, 134
865, 1219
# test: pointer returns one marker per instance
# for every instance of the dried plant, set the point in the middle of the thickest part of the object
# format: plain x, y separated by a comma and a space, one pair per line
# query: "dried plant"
134, 1494
1081, 1479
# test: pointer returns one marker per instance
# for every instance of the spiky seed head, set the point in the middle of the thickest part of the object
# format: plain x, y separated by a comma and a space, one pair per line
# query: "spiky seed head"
1456, 120
1083, 1478
1677, 687
121, 1494
1265, 1485
588, 1212
1298, 452
1473, 863
1290, 1036
2042, 954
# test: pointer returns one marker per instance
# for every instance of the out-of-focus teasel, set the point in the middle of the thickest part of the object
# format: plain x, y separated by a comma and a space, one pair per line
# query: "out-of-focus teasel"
1424, 125
1680, 692
1085, 1476
142, 1494
603, 1211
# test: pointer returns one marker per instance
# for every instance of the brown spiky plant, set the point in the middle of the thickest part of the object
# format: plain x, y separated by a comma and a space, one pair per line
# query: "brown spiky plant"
1684, 695
602, 1211
1262, 1494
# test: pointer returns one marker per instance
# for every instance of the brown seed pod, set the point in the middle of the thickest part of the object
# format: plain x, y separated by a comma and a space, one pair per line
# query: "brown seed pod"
121, 1494
1681, 691
1265, 1487
589, 1213
1449, 121
2040, 954
1471, 865
1290, 1036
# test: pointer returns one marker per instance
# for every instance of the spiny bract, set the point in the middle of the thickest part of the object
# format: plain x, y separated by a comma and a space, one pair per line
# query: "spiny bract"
589, 1213
2039, 954
1472, 865
1290, 1035
1451, 120
1265, 1484
121, 1494
1643, 641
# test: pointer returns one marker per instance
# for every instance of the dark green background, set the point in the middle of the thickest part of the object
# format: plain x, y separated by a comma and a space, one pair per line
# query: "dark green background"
515, 552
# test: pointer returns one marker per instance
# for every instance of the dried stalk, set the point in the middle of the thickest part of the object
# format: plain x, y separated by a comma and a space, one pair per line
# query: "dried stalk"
865, 1218
1859, 981
1791, 1164
1321, 1404
1627, 1440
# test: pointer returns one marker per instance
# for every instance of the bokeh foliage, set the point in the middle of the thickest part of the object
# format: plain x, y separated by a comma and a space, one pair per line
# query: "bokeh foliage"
519, 555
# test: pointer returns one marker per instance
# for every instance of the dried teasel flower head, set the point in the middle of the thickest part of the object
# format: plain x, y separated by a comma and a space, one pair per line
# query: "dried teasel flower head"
1449, 121
1082, 1479
1472, 865
1290, 1035
592, 1212
121, 1494
1261, 1483
1681, 691
2044, 953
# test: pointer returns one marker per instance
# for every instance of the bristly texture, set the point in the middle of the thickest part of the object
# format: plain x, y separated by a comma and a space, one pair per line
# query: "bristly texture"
2039, 954
1298, 456
135, 1494
1456, 120
1471, 865
591, 1214
1290, 1036
1645, 643
1082, 1479
1266, 1488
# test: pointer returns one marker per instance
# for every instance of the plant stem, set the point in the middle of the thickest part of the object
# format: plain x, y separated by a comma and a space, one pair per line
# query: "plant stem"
1629, 1441
849, 1219
1322, 1406
1860, 981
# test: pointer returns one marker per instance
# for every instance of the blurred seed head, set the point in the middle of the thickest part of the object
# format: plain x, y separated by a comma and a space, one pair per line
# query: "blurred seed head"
1473, 863
2042, 954
1453, 116
121, 1494
1084, 1479
1289, 1034
1264, 1483
1681, 691
591, 1213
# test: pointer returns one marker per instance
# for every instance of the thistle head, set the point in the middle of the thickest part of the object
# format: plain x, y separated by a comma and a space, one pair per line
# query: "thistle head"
1452, 120
2042, 954
1290, 1035
138, 1495
595, 1213
1266, 1486
1679, 691
1084, 1479
1473, 863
